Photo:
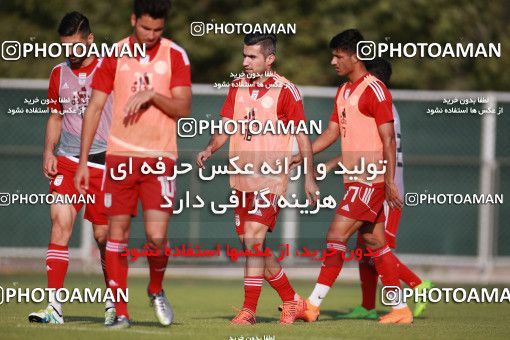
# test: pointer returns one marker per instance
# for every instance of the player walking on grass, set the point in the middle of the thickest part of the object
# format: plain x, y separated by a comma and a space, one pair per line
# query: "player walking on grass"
363, 118
381, 69
149, 94
69, 91
262, 97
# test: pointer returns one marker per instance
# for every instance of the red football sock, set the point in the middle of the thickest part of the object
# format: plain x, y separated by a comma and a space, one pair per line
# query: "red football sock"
406, 275
117, 271
252, 289
281, 284
368, 277
386, 266
157, 267
392, 222
57, 261
332, 264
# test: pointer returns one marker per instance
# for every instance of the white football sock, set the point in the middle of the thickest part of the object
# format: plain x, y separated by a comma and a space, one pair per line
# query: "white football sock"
319, 293
53, 302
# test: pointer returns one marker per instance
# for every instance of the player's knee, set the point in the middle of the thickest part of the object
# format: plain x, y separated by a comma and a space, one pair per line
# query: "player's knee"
372, 241
337, 236
253, 236
101, 236
156, 243
252, 240
118, 229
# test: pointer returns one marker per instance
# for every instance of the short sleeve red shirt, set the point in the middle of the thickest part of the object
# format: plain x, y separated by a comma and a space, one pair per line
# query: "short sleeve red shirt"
104, 77
375, 101
289, 106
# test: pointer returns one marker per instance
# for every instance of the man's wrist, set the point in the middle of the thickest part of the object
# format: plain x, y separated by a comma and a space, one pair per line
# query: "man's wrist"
83, 161
153, 94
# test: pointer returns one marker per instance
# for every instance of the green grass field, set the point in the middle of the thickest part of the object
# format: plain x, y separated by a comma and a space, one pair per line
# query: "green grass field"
203, 308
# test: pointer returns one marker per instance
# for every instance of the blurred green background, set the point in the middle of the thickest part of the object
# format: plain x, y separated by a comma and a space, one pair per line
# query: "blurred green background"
304, 57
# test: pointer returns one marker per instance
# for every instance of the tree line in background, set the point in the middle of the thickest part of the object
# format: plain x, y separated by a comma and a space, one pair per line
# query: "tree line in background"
304, 58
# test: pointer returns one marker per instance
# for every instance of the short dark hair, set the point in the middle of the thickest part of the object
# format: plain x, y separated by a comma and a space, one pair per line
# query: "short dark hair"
73, 23
267, 42
346, 40
156, 9
380, 68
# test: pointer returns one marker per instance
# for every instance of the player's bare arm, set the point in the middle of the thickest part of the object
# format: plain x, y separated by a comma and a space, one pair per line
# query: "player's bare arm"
322, 142
215, 143
53, 128
305, 149
387, 134
328, 137
178, 106
91, 119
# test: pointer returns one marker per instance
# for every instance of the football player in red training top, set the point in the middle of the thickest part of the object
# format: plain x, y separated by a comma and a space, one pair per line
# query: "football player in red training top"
266, 97
149, 94
69, 93
381, 69
363, 119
